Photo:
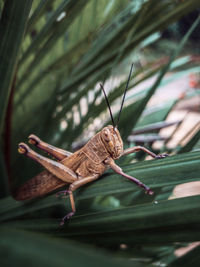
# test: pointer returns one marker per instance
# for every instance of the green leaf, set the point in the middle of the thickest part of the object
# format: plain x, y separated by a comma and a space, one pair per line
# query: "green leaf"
22, 248
155, 114
11, 208
191, 143
170, 171
12, 27
4, 178
137, 108
159, 222
38, 12
53, 30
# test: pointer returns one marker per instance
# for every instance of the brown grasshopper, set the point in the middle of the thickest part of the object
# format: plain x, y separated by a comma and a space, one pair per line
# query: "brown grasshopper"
79, 168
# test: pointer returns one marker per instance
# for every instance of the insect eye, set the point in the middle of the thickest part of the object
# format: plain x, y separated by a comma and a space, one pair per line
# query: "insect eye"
106, 136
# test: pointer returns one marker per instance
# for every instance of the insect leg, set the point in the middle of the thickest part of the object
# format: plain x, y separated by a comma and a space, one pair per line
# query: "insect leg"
118, 170
56, 168
72, 188
69, 215
54, 151
139, 148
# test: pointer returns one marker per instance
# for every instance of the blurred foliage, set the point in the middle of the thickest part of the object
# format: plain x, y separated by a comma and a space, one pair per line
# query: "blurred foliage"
53, 56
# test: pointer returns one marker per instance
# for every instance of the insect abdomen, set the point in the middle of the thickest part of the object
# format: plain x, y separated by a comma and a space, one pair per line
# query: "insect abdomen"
40, 185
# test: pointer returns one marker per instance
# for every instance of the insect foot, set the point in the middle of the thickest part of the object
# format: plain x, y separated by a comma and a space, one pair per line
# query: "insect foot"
33, 139
161, 156
67, 217
23, 148
149, 192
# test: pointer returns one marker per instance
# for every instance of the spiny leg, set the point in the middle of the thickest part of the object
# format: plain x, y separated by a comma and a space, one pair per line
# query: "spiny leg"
118, 170
139, 148
57, 153
70, 214
72, 188
56, 168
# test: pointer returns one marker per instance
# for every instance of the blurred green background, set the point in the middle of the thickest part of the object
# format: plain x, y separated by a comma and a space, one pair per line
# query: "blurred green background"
53, 55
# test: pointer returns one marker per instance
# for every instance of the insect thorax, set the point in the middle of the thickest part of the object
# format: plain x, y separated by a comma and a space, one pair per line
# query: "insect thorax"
95, 149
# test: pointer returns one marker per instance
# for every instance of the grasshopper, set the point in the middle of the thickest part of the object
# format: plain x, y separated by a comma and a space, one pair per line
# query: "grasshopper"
77, 169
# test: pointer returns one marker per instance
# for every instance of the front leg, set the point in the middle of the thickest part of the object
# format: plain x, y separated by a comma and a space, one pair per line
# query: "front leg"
139, 148
117, 169
57, 153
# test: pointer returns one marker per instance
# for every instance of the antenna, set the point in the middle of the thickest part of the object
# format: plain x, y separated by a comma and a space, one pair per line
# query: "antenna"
101, 85
124, 94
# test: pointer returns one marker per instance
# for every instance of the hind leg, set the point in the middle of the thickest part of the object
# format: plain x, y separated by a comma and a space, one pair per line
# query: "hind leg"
59, 170
57, 153
56, 168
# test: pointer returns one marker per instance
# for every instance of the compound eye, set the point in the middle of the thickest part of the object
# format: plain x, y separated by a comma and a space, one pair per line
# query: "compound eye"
107, 136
